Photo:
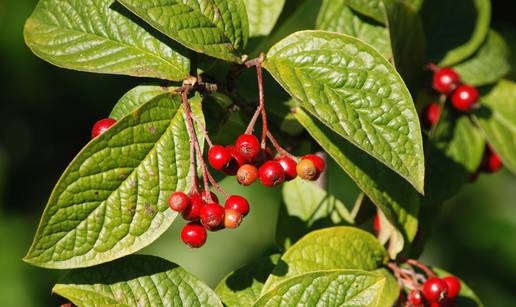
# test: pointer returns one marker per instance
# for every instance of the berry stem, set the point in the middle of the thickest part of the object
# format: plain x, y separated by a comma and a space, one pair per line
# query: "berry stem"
250, 127
282, 151
262, 104
403, 278
203, 130
217, 186
432, 67
424, 268
193, 138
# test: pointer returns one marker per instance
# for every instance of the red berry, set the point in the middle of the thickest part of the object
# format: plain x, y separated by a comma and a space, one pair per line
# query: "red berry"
194, 234
247, 174
219, 157
416, 298
432, 113
248, 146
214, 197
289, 166
318, 162
453, 286
435, 289
237, 203
235, 163
193, 211
271, 174
491, 162
464, 97
232, 218
262, 156
101, 126
212, 216
178, 201
306, 170
376, 223
445, 80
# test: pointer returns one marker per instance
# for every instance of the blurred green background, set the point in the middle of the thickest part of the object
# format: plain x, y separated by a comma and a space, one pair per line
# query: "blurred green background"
45, 119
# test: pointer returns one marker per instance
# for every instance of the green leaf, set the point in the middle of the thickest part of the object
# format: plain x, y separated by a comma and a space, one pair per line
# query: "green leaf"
497, 118
370, 8
466, 296
135, 280
326, 249
488, 64
393, 195
455, 29
218, 28
112, 199
309, 202
90, 36
407, 40
356, 92
331, 288
262, 15
134, 98
337, 16
243, 286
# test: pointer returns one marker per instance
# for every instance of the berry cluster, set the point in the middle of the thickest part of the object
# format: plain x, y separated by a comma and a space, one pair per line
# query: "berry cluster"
446, 81
464, 98
421, 287
249, 162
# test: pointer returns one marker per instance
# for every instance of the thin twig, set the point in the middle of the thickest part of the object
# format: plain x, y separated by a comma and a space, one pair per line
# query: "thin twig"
282, 151
423, 267
193, 139
203, 130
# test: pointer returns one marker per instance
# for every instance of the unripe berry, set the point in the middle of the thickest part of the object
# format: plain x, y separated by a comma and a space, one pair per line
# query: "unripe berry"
271, 174
453, 286
416, 298
248, 146
236, 162
178, 201
232, 218
218, 157
247, 174
214, 197
194, 234
435, 289
193, 211
212, 216
318, 162
464, 97
237, 203
445, 80
432, 114
101, 126
306, 170
289, 166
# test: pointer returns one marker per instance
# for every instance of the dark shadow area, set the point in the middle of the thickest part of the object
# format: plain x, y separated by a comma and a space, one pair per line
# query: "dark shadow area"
447, 25
258, 270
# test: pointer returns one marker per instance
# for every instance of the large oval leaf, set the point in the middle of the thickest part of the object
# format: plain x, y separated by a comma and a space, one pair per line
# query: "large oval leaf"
356, 92
370, 8
218, 28
326, 249
488, 64
135, 280
90, 36
455, 29
497, 118
262, 15
243, 286
337, 16
332, 288
393, 195
112, 199
135, 98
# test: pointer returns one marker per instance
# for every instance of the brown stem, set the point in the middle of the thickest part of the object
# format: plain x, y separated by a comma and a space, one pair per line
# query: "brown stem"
403, 278
217, 186
432, 67
423, 267
250, 127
